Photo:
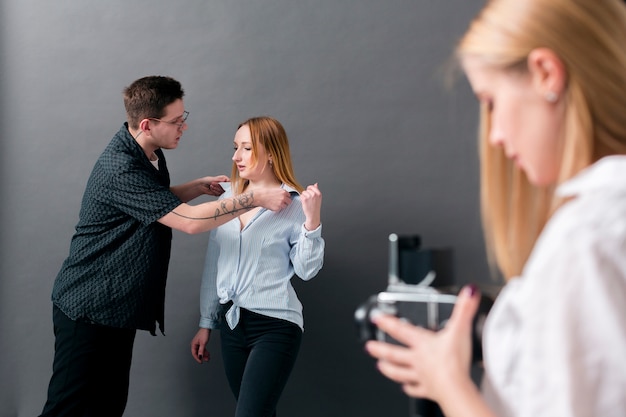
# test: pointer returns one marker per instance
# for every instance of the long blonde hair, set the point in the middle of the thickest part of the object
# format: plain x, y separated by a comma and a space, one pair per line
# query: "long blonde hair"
589, 36
269, 133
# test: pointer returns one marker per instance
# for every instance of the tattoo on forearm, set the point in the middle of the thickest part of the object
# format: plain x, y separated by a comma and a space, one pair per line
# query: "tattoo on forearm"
230, 207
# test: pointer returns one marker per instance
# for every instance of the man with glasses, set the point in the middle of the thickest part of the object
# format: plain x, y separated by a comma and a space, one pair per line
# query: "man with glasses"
113, 281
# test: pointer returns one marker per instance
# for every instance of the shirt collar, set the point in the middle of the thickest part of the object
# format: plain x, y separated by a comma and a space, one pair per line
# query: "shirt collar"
606, 175
289, 189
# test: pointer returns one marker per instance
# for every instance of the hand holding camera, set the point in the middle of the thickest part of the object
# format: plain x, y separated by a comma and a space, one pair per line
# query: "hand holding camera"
424, 330
428, 362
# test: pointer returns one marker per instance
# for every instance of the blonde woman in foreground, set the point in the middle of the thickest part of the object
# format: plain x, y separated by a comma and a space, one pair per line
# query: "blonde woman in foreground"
551, 79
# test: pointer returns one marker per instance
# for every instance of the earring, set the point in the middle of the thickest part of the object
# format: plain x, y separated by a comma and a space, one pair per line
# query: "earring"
551, 96
271, 163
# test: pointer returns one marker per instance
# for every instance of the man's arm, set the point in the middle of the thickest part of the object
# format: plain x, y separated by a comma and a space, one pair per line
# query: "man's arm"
195, 188
206, 216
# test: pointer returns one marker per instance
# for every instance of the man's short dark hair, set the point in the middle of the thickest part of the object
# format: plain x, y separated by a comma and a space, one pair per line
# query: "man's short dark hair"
148, 96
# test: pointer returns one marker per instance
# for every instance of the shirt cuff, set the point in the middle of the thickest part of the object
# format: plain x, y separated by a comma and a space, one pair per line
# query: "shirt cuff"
312, 234
206, 323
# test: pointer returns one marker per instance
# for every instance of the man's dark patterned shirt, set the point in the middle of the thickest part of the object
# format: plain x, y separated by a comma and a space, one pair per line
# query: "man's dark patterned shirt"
116, 271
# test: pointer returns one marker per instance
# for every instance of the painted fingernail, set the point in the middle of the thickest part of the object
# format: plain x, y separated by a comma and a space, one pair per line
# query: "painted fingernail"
471, 289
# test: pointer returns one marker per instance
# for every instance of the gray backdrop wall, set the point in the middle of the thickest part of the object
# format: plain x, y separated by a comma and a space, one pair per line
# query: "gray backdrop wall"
358, 85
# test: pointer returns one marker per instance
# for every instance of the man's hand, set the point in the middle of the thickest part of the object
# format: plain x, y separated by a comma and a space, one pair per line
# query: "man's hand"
211, 185
274, 199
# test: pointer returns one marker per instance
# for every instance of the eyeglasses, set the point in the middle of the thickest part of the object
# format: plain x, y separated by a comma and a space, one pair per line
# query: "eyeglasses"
178, 124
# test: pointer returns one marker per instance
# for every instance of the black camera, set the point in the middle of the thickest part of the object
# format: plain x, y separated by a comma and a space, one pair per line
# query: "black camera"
421, 290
